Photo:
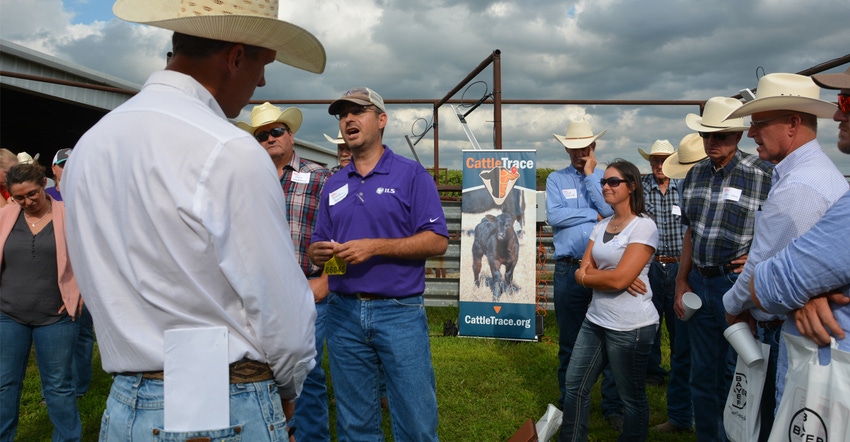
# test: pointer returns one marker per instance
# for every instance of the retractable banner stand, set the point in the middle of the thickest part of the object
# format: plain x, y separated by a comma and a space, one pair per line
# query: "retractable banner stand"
497, 245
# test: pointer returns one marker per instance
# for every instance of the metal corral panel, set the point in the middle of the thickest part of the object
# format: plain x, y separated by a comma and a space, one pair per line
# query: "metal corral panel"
21, 60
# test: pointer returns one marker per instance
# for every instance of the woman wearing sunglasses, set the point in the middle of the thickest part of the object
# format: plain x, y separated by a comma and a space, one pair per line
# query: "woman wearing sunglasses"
39, 303
621, 320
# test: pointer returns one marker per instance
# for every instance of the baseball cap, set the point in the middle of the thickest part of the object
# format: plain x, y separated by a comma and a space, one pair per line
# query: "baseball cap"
62, 156
359, 95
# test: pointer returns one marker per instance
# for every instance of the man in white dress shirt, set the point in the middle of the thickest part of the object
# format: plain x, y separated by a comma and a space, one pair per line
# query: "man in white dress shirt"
175, 224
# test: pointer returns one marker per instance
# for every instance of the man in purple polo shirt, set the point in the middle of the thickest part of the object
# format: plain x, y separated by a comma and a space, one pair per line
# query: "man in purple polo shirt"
383, 217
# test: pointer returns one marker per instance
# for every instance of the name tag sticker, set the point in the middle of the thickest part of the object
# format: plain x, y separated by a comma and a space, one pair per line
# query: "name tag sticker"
300, 177
731, 194
338, 195
676, 210
570, 194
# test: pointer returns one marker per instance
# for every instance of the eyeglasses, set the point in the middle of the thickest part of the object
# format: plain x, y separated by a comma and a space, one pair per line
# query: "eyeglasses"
276, 132
30, 196
761, 124
611, 182
355, 110
844, 103
718, 136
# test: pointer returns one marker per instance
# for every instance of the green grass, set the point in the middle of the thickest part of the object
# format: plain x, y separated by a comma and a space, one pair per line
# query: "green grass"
486, 389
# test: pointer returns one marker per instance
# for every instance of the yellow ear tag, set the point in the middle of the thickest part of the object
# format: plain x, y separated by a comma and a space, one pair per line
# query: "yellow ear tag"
335, 266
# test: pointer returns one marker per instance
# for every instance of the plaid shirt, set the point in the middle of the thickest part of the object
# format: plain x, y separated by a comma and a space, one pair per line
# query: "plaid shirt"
660, 208
302, 183
722, 225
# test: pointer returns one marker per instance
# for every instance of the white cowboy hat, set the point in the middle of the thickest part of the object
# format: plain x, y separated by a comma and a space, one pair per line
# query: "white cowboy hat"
787, 92
337, 140
252, 22
691, 151
714, 114
659, 147
268, 113
579, 135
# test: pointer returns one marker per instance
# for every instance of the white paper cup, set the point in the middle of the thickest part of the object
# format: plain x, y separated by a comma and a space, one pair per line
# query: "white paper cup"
692, 303
743, 341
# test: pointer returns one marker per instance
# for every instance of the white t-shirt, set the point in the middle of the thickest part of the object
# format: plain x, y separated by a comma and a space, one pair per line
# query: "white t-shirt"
620, 310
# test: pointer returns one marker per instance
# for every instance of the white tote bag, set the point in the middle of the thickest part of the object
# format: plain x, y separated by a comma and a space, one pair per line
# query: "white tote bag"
741, 415
816, 403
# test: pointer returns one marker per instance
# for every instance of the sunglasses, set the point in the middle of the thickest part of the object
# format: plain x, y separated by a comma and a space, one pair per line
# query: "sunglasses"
276, 132
611, 182
761, 124
718, 136
844, 103
355, 110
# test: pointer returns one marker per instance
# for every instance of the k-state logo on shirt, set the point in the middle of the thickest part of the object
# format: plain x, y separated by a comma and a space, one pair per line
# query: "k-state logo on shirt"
381, 190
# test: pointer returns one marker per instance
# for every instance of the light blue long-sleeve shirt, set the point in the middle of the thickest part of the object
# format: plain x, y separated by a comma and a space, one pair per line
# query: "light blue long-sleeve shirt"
817, 262
573, 203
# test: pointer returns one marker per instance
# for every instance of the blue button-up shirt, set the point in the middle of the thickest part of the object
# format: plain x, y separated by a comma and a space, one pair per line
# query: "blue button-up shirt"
666, 210
573, 204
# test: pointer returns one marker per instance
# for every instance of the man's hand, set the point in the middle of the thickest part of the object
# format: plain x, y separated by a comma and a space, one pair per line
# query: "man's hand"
319, 286
682, 286
321, 252
356, 251
590, 163
739, 262
816, 321
745, 316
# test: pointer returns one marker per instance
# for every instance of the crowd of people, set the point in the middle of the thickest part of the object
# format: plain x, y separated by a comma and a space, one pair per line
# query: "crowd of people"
750, 235
190, 227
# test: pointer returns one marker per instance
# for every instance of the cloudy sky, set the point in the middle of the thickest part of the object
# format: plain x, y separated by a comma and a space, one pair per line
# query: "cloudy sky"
586, 49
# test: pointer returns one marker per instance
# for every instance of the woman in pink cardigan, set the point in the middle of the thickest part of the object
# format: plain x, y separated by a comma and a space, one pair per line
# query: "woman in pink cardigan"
39, 302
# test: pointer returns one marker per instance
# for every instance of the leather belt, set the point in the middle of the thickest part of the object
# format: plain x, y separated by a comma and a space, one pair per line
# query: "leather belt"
712, 271
771, 325
570, 260
666, 259
241, 372
363, 296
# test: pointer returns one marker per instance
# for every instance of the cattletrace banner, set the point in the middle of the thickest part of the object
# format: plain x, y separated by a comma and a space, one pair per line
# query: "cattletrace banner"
497, 244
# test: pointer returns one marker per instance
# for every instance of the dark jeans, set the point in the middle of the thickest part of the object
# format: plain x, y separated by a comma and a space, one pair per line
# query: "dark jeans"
767, 409
81, 366
571, 302
662, 281
712, 358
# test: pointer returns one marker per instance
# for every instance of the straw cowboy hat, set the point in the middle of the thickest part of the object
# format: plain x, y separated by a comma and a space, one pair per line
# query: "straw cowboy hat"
833, 81
579, 135
713, 115
659, 147
268, 113
25, 158
787, 92
252, 22
337, 140
691, 151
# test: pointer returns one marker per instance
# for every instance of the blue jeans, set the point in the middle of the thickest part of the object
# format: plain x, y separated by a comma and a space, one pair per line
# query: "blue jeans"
54, 346
571, 302
767, 408
662, 280
391, 334
627, 353
680, 408
712, 358
134, 413
82, 359
311, 419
